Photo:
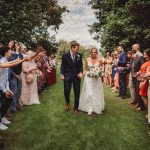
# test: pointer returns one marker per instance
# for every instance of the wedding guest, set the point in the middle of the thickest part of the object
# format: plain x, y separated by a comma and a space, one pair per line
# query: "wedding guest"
5, 93
42, 66
11, 63
148, 92
11, 45
136, 65
52, 73
103, 70
115, 73
29, 93
15, 78
130, 56
24, 50
108, 70
122, 62
143, 82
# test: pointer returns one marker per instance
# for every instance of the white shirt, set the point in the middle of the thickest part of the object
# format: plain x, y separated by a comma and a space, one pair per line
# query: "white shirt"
72, 55
4, 83
139, 53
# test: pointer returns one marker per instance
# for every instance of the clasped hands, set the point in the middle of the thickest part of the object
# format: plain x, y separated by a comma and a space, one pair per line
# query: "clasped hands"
141, 76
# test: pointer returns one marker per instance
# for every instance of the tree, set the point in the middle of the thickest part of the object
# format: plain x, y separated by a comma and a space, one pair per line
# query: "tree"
25, 21
119, 23
64, 46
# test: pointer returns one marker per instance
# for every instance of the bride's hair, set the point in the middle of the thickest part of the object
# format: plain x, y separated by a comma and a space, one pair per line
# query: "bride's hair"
94, 48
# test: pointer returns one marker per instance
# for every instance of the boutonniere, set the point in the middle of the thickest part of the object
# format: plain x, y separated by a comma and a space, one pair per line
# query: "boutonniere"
78, 57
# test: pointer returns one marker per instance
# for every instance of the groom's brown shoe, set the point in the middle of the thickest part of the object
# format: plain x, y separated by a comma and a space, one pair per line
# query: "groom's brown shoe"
67, 107
76, 110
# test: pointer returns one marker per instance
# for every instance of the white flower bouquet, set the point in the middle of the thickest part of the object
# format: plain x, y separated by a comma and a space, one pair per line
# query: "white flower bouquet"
94, 72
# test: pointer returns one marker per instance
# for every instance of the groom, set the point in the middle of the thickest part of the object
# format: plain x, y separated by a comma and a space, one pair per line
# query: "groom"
71, 73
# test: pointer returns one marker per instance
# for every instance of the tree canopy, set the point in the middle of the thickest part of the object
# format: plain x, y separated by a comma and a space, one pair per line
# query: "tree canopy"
64, 46
28, 21
122, 22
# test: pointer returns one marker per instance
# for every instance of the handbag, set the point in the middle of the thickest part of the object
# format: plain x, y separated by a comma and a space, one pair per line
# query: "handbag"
29, 78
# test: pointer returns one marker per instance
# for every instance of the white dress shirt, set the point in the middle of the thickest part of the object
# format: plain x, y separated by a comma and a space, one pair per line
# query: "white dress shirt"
72, 55
4, 83
139, 53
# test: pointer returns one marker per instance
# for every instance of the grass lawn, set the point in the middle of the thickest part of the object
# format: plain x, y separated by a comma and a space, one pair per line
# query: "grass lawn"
49, 127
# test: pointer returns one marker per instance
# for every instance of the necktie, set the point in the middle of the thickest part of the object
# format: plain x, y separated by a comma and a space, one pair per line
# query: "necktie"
73, 55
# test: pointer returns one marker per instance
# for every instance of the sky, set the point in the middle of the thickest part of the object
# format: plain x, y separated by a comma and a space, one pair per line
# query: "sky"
76, 21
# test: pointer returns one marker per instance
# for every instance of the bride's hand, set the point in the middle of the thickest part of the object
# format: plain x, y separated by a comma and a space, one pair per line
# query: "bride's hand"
80, 75
62, 77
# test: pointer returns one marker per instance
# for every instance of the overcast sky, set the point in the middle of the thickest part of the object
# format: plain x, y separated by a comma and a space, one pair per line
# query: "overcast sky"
76, 21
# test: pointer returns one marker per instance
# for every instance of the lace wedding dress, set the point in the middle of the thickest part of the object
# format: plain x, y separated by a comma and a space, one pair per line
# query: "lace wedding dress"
92, 96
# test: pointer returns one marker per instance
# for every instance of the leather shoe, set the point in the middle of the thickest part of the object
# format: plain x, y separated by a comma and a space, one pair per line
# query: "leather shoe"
76, 110
67, 107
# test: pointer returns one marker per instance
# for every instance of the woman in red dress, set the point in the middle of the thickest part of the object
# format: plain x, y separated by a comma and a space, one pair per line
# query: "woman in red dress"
43, 67
141, 74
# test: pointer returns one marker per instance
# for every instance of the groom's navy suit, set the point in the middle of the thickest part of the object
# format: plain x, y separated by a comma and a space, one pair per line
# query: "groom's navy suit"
70, 69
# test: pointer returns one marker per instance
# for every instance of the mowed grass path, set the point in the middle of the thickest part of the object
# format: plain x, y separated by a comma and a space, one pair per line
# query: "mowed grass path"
49, 127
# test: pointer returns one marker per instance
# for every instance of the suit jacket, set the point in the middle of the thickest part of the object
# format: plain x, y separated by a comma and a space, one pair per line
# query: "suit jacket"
69, 68
137, 63
122, 62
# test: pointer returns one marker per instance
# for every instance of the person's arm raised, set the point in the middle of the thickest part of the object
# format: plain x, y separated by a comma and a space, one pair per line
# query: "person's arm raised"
11, 63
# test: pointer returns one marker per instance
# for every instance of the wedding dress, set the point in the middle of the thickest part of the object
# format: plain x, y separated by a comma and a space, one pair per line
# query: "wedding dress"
92, 96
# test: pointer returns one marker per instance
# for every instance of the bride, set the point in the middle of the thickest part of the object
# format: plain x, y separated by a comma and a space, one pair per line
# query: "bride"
92, 96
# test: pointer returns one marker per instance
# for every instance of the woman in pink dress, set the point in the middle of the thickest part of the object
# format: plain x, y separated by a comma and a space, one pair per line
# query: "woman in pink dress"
29, 93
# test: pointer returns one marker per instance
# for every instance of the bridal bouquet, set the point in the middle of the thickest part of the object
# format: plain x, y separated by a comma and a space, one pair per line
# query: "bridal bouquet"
94, 72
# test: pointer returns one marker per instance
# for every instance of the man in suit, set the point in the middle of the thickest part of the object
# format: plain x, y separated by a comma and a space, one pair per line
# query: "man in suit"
136, 65
122, 62
71, 73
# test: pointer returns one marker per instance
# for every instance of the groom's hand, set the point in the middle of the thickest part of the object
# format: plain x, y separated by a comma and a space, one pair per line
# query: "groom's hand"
62, 77
80, 75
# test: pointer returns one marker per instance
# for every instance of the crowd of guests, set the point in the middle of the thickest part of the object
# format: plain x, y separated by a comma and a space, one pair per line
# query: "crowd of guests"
131, 68
23, 75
